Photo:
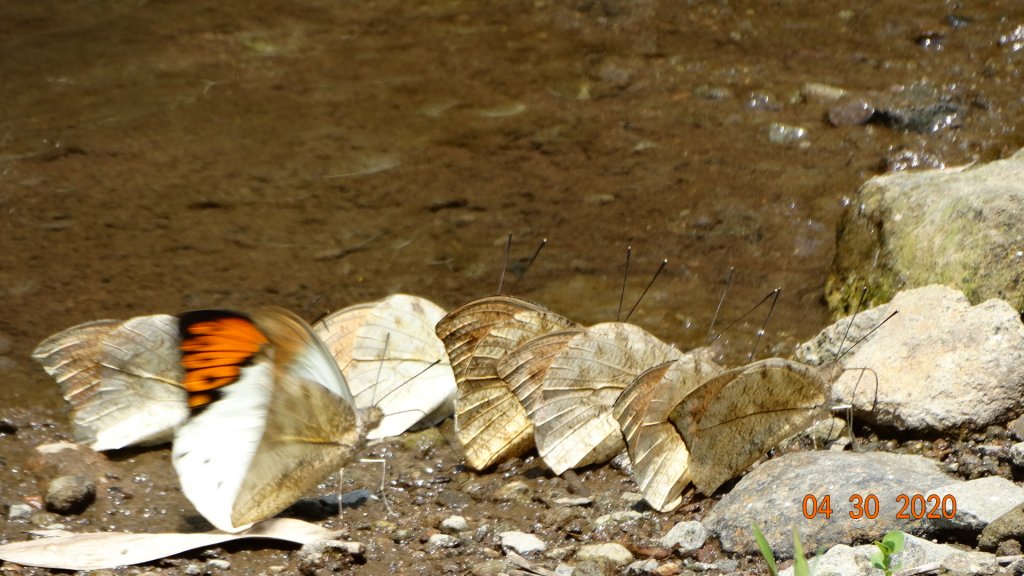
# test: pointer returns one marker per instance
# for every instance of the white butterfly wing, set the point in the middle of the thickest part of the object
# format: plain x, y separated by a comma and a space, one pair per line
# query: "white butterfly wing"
122, 379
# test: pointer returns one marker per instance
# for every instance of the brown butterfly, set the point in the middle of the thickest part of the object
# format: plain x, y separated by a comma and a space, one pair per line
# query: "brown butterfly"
684, 422
490, 423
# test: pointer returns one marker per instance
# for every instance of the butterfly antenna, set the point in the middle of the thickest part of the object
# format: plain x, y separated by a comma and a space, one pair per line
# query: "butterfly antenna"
508, 251
649, 284
410, 379
728, 283
744, 315
856, 309
543, 243
865, 337
625, 275
761, 330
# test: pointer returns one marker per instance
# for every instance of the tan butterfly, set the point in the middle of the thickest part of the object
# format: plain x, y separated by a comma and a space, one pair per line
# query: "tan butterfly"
122, 379
392, 359
271, 415
490, 423
723, 424
659, 457
574, 426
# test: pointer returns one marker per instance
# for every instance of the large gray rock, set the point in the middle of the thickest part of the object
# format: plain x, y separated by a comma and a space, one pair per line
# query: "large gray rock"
773, 493
939, 366
957, 226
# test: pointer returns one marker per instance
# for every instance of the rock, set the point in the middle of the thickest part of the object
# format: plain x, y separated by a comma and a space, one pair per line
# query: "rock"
611, 552
1017, 454
919, 108
954, 226
970, 564
941, 365
787, 134
491, 568
326, 556
454, 524
823, 92
1009, 525
826, 431
978, 502
772, 494
685, 535
574, 501
442, 541
357, 498
70, 494
852, 112
514, 490
218, 564
620, 516
521, 543
19, 513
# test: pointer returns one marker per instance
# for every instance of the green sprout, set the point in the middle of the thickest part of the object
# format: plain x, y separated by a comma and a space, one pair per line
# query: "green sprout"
800, 565
891, 544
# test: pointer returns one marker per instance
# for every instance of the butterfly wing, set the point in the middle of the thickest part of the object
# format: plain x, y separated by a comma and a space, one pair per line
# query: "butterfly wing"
490, 423
392, 359
271, 417
523, 370
122, 379
574, 422
733, 419
659, 455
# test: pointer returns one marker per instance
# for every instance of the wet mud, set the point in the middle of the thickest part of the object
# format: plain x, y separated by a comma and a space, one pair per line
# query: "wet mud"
158, 157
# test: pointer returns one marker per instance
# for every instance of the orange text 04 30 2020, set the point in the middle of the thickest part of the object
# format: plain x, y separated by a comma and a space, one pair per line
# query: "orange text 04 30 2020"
867, 506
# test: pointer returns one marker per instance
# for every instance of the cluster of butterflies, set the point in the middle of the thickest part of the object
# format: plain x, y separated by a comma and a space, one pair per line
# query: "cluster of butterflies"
262, 407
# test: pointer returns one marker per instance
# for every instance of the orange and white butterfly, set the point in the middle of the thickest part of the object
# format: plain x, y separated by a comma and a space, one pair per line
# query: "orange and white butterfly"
271, 415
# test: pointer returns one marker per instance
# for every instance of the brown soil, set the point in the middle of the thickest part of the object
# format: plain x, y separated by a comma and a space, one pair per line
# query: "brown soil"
162, 156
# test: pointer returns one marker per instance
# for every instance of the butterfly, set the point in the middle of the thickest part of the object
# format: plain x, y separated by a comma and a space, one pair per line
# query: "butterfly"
121, 378
573, 421
392, 359
270, 417
490, 423
688, 421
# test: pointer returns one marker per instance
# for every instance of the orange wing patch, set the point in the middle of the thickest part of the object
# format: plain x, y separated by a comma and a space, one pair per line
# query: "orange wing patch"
215, 345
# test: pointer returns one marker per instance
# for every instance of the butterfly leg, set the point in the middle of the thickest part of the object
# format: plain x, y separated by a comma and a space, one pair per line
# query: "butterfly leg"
383, 476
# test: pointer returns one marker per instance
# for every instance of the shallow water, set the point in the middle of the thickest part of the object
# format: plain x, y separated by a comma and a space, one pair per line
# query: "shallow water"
156, 157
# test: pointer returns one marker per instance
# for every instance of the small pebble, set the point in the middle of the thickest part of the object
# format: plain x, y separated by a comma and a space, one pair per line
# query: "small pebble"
454, 524
330, 555
521, 542
574, 501
685, 535
1016, 455
642, 567
853, 112
19, 513
825, 92
620, 516
193, 570
514, 490
442, 541
785, 134
70, 494
612, 552
218, 564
